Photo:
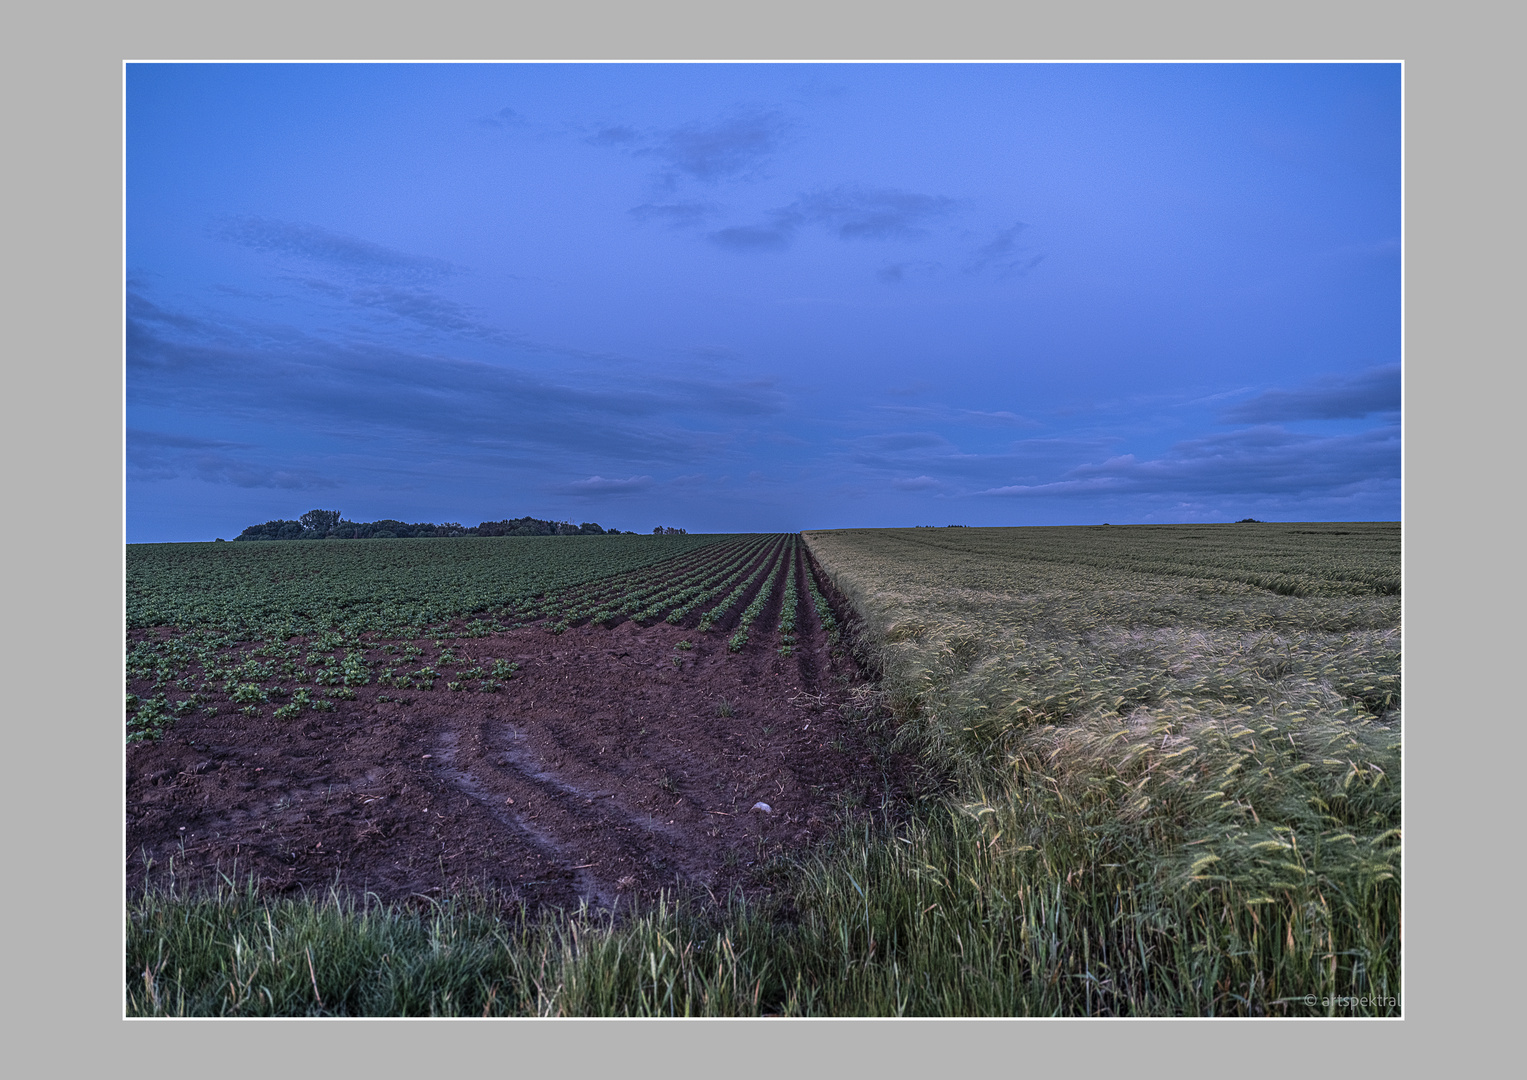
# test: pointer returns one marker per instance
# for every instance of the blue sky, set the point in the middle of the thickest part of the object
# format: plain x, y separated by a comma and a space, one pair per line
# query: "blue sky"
762, 297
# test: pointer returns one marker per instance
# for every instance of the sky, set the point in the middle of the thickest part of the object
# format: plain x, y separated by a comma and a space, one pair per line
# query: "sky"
761, 297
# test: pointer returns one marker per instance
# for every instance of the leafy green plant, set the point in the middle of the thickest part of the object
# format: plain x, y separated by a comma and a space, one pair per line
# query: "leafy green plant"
248, 693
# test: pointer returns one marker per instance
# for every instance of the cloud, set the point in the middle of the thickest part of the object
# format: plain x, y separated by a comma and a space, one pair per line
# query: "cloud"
679, 215
1334, 397
598, 485
1255, 462
917, 483
505, 118
755, 237
314, 244
363, 395
733, 147
422, 306
849, 212
1004, 254
153, 455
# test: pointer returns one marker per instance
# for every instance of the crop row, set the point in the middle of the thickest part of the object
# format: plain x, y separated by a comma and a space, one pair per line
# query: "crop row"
761, 598
627, 592
265, 591
823, 609
787, 609
715, 614
680, 593
646, 603
288, 660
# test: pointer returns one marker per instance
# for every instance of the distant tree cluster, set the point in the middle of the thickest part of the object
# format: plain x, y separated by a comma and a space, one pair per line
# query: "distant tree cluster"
529, 526
332, 525
668, 530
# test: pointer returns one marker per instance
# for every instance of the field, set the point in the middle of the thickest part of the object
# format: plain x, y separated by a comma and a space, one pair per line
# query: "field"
556, 719
1113, 770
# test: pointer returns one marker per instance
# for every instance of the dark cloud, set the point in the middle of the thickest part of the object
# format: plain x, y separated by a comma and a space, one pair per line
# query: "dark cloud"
505, 118
1335, 397
755, 237
849, 212
314, 244
734, 147
678, 215
428, 309
1004, 255
374, 394
144, 310
1255, 462
421, 306
153, 455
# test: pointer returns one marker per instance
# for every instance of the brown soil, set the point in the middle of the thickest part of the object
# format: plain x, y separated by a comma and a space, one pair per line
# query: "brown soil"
603, 771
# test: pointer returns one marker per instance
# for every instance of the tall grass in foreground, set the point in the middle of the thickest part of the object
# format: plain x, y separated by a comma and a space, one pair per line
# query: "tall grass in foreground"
940, 918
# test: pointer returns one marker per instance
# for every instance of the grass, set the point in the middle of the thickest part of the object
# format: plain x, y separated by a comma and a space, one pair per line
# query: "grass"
1156, 794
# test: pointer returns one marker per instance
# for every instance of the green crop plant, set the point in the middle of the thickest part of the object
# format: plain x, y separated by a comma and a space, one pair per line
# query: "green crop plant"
710, 618
248, 693
504, 669
691, 598
759, 602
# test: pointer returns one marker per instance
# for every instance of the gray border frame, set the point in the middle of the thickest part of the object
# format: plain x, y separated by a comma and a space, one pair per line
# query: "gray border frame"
64, 83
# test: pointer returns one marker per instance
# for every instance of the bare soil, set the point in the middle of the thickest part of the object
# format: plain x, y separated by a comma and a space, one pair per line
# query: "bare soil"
605, 770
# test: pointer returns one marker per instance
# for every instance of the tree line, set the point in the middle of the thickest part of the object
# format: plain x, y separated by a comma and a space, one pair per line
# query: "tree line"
332, 525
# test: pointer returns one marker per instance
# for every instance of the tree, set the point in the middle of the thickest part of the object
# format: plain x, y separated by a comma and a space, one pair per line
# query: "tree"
320, 521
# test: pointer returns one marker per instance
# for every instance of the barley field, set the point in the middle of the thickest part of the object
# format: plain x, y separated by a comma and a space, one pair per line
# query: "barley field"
1180, 742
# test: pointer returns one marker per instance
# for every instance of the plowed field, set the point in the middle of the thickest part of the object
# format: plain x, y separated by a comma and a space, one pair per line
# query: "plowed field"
615, 762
